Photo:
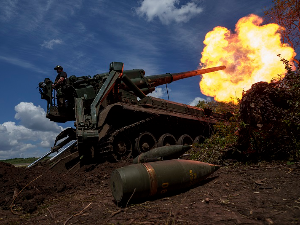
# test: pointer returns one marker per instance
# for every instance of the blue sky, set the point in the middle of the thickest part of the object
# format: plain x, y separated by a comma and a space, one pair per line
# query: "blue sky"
159, 36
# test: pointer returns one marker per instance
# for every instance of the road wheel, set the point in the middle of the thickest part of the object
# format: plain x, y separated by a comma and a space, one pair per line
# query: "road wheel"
122, 147
199, 139
166, 140
145, 142
185, 139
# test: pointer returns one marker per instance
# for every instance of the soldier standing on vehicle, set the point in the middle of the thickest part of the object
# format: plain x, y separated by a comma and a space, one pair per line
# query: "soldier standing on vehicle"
59, 85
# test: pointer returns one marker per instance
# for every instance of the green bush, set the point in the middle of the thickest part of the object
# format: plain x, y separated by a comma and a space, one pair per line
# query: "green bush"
265, 124
224, 136
271, 114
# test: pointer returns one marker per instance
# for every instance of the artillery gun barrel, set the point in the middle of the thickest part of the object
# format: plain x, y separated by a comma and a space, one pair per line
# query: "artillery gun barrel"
179, 76
157, 80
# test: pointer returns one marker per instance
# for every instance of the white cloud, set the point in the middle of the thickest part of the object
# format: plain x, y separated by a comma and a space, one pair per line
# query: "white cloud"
35, 132
197, 99
80, 27
49, 44
7, 9
34, 117
21, 63
159, 93
45, 143
4, 138
167, 11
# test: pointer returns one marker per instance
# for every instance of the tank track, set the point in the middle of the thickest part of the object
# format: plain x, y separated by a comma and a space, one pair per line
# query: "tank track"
106, 146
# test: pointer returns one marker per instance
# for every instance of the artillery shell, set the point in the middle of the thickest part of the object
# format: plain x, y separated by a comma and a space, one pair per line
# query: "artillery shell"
165, 152
138, 181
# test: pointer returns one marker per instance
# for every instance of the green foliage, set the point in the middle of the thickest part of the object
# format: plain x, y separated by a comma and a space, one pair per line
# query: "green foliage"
265, 124
224, 136
19, 160
219, 107
271, 114
292, 117
286, 14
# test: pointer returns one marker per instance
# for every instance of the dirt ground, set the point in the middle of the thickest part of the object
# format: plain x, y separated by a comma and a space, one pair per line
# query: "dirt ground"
265, 193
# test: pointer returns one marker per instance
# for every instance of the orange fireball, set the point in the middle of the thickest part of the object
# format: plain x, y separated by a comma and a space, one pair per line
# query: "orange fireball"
249, 54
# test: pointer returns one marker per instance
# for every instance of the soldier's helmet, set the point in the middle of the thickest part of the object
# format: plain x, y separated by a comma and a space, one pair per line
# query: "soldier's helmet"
58, 67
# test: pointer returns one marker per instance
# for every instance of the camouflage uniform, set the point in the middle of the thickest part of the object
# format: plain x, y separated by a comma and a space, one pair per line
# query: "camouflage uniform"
60, 89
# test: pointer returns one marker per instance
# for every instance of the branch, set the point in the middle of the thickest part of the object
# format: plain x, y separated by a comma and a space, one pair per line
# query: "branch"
77, 214
11, 205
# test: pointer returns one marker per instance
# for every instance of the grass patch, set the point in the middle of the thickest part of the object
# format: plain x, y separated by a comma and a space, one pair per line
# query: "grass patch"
20, 160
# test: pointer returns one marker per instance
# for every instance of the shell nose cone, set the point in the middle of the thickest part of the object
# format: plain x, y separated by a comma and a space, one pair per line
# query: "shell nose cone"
215, 167
186, 147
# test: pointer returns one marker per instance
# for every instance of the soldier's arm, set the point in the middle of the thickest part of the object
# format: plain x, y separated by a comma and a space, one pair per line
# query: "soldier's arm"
61, 79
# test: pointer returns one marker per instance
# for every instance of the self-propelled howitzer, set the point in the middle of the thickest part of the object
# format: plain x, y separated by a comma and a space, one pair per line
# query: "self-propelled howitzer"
113, 115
